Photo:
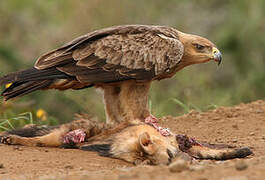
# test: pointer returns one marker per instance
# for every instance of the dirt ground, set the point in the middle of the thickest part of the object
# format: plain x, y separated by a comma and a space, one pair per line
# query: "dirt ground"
242, 125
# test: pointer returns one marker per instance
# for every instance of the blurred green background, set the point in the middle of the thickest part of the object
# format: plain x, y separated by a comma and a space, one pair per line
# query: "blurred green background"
29, 28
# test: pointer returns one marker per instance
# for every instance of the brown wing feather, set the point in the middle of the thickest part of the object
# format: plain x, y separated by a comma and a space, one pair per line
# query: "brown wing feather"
117, 53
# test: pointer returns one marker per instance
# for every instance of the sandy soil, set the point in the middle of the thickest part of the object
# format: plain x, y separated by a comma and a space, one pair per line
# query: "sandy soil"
242, 125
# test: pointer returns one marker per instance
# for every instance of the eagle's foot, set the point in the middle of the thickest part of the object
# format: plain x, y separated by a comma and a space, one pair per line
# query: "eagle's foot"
74, 137
152, 120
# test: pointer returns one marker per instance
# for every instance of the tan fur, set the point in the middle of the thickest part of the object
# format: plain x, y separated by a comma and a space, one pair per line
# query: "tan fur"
126, 141
131, 148
50, 140
132, 141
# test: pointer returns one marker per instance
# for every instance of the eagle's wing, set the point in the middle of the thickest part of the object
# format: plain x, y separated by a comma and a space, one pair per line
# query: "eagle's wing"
117, 53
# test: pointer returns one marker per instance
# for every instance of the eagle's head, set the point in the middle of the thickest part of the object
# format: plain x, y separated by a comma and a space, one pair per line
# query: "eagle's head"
198, 50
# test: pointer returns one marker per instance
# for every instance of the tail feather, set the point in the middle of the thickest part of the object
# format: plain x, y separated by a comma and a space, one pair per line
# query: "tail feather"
25, 88
33, 74
29, 80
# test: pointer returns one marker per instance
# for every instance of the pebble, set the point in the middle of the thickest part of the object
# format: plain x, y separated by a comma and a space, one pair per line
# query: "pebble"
18, 148
252, 134
234, 140
69, 167
216, 118
178, 166
235, 126
241, 165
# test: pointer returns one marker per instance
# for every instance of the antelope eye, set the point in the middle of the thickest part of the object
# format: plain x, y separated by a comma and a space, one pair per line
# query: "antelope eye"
199, 47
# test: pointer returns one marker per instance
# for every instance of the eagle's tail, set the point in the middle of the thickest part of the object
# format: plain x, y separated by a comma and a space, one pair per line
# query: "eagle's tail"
29, 80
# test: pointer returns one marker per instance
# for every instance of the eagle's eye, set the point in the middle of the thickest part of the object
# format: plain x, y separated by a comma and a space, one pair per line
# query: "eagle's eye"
199, 47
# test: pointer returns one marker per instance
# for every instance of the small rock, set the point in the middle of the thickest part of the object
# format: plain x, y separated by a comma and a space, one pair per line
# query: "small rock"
69, 167
17, 148
234, 140
241, 165
252, 134
216, 118
1, 165
178, 166
235, 126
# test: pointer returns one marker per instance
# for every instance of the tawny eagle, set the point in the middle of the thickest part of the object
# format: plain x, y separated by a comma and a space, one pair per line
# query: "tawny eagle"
121, 60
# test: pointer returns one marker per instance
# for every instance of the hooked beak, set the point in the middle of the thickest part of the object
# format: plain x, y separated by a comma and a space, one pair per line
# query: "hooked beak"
217, 56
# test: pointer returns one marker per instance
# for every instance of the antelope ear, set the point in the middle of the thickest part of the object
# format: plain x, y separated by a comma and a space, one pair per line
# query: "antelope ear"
146, 143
